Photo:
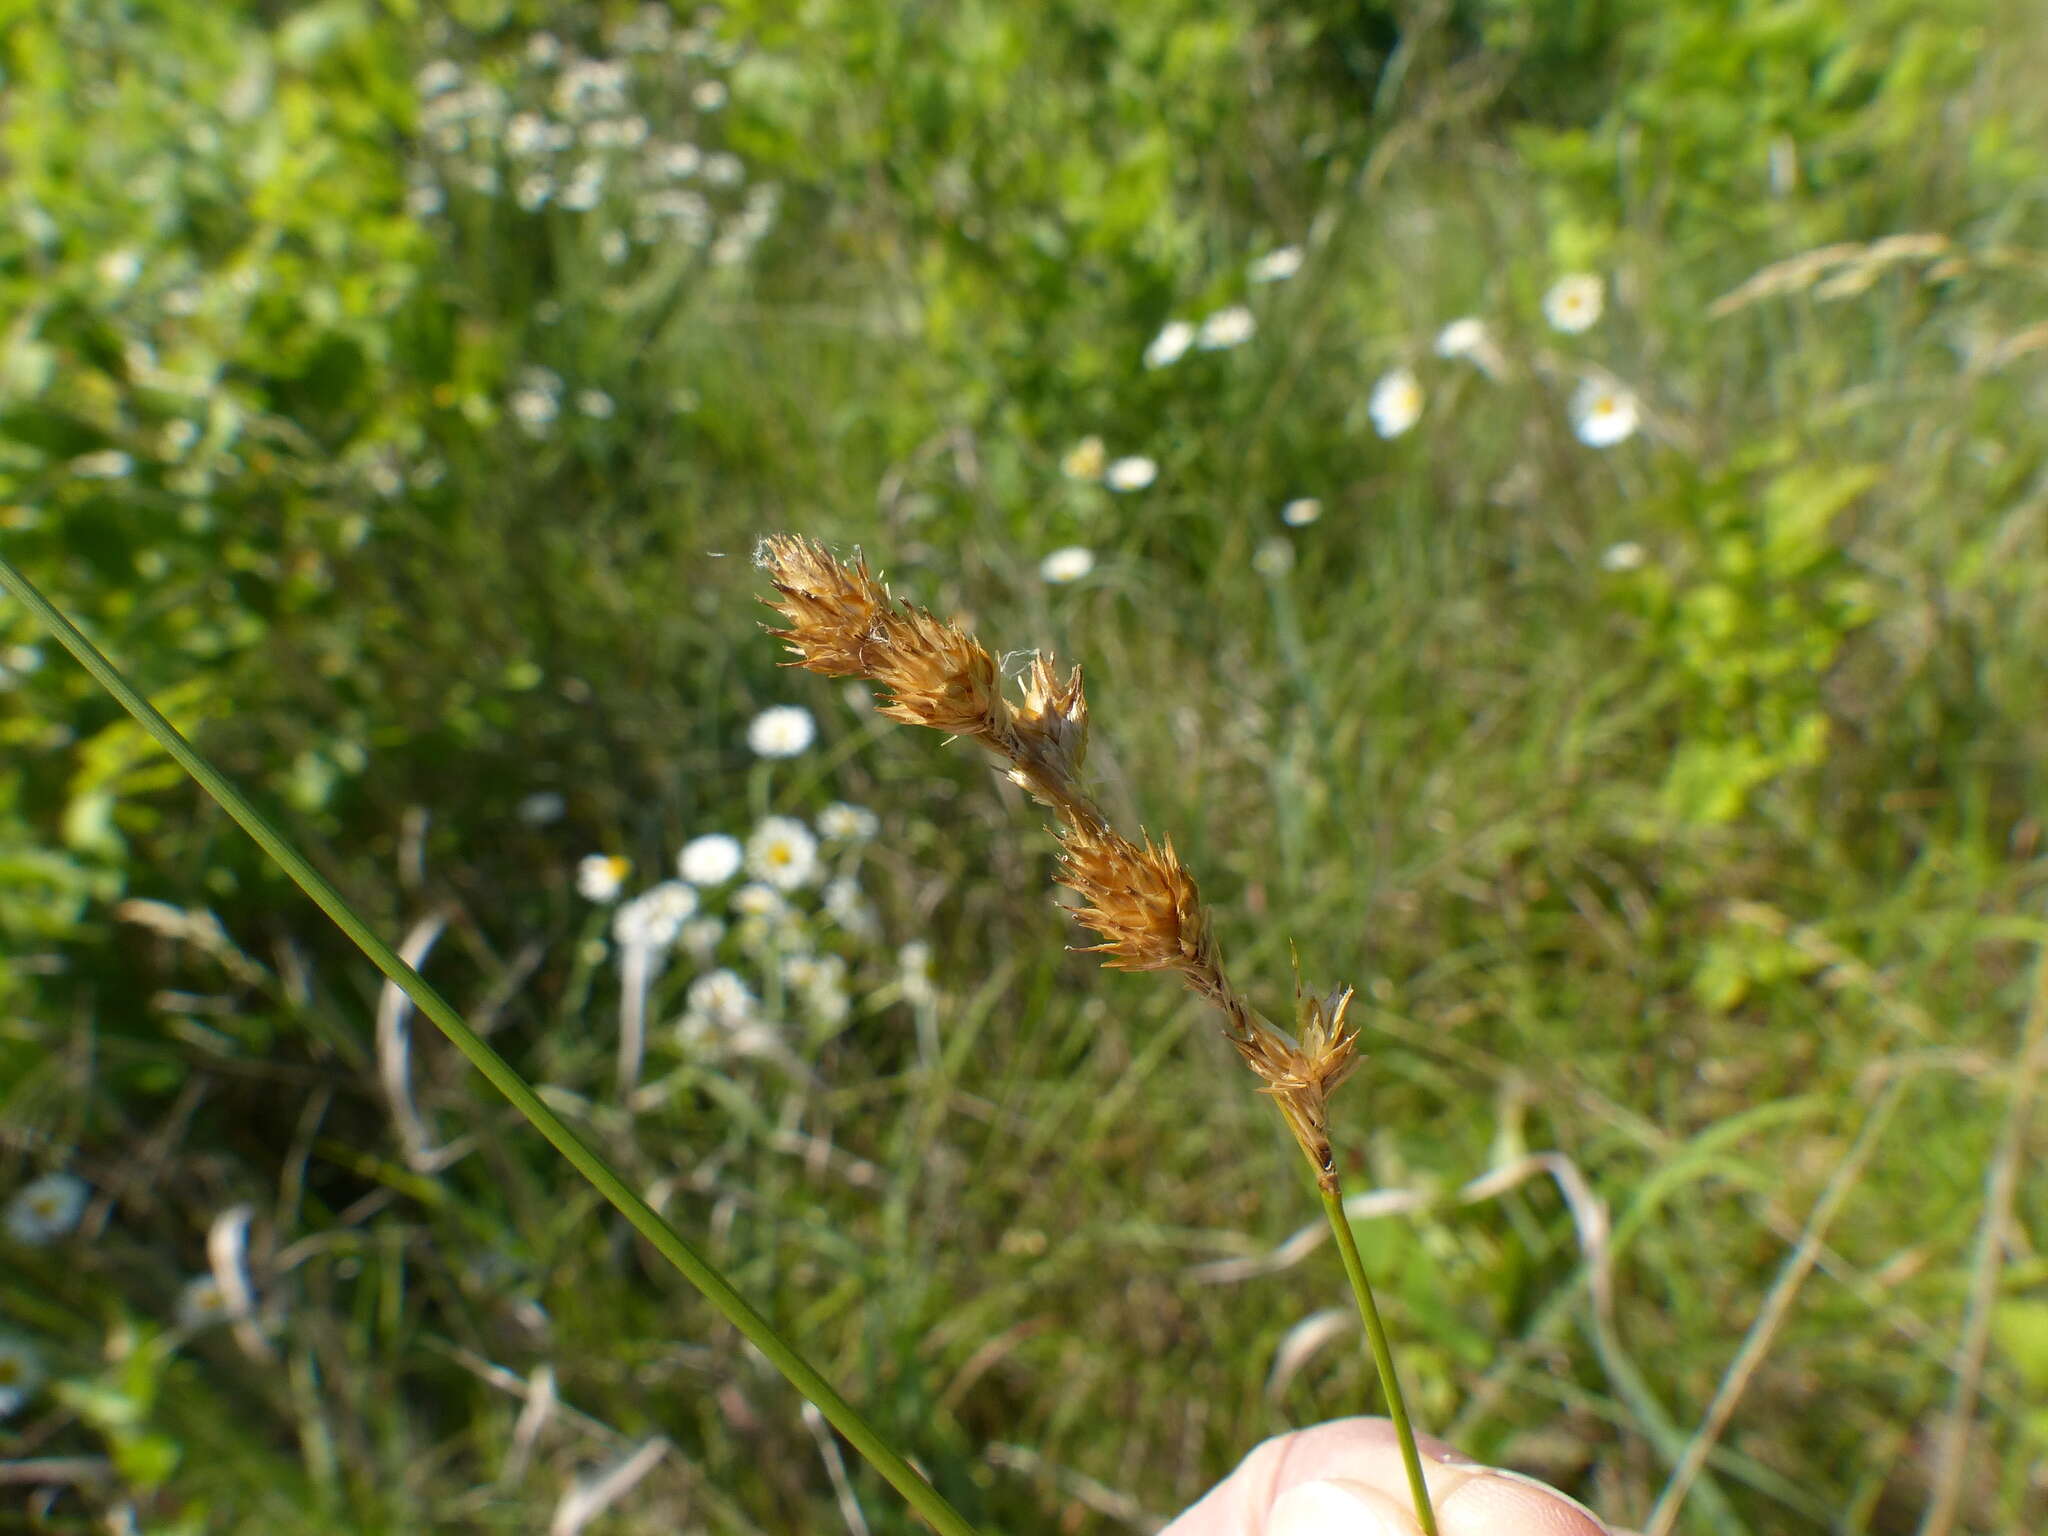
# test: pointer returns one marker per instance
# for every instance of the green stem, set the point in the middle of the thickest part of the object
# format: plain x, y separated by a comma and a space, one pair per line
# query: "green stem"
841, 1414
1382, 1356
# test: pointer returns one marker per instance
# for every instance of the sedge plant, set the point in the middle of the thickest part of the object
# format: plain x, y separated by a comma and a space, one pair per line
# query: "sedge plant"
1137, 897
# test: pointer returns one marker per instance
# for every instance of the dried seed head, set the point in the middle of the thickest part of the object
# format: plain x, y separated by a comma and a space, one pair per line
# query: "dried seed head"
1139, 899
844, 623
834, 610
1328, 1045
937, 676
1300, 1077
1143, 903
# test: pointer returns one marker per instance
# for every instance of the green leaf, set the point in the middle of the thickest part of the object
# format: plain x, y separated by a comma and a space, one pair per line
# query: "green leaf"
1801, 506
2020, 1324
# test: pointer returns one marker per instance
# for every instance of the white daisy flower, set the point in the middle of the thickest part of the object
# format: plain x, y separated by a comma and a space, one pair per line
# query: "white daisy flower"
1464, 337
1625, 556
17, 662
1301, 511
847, 907
586, 186
535, 409
543, 50
1604, 414
679, 161
700, 937
542, 808
1065, 565
782, 933
820, 982
591, 88
1574, 303
107, 464
1396, 403
616, 133
599, 876
840, 822
21, 1372
708, 95
1226, 328
783, 853
1170, 345
1131, 474
1469, 340
721, 997
117, 269
757, 900
673, 901
1275, 557
1084, 460
711, 859
533, 191
914, 974
441, 75
526, 134
201, 1303
47, 1207
829, 1004
1276, 266
654, 919
783, 731
594, 403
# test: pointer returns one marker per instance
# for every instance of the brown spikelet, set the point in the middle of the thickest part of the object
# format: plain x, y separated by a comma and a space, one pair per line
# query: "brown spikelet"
1141, 900
843, 623
1052, 722
937, 677
834, 611
1301, 1074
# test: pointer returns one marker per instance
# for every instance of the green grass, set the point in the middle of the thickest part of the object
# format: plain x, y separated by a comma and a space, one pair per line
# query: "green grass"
1670, 871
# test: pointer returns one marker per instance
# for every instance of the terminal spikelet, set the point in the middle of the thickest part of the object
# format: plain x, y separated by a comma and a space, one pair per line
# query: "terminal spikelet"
843, 623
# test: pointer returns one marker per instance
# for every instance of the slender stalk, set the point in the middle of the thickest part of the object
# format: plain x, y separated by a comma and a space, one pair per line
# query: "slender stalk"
842, 1415
1382, 1354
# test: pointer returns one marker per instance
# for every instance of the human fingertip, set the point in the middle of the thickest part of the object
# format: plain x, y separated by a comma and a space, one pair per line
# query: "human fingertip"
1339, 1507
1499, 1502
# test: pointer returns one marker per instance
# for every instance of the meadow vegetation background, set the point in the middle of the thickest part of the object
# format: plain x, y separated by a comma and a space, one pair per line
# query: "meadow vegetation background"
1640, 702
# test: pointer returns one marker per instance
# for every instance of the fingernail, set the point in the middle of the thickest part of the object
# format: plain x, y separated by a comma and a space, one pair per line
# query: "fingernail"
1337, 1508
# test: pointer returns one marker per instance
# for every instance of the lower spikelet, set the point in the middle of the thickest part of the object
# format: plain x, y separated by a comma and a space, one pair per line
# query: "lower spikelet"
1139, 899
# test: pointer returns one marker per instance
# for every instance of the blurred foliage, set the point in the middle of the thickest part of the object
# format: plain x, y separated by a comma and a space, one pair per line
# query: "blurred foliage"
396, 390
